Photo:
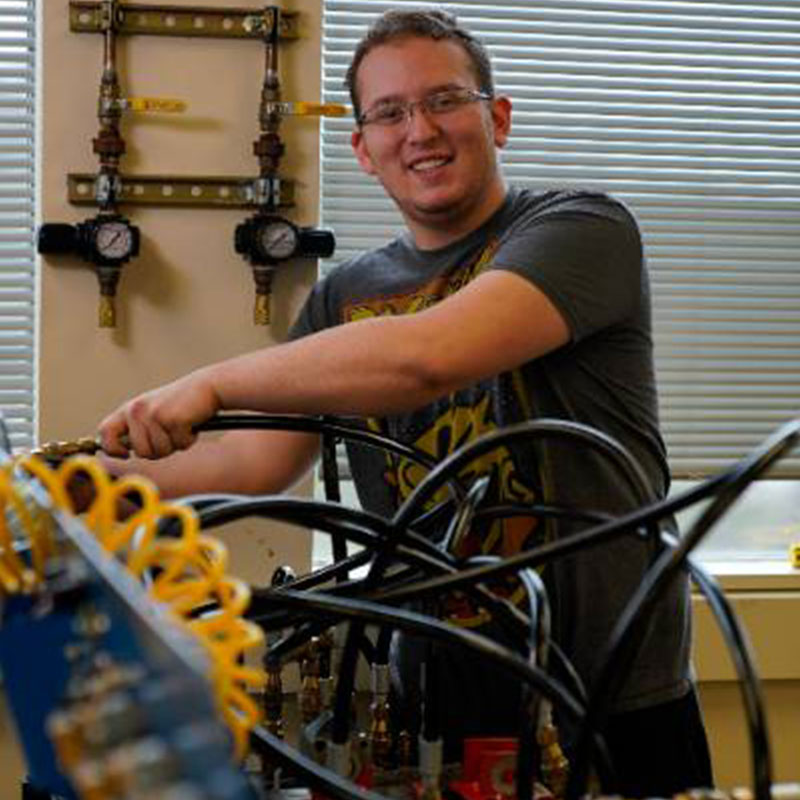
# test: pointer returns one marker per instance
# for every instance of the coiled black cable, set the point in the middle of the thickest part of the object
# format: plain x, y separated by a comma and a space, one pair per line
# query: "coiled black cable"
605, 444
332, 517
369, 530
610, 529
451, 467
331, 430
293, 642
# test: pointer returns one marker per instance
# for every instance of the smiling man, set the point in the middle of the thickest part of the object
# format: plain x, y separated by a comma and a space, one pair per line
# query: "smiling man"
497, 305
436, 156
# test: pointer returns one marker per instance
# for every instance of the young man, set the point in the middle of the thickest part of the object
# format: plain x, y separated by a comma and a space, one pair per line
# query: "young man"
497, 305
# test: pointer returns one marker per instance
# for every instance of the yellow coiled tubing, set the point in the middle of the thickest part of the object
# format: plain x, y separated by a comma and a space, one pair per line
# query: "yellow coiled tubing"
190, 568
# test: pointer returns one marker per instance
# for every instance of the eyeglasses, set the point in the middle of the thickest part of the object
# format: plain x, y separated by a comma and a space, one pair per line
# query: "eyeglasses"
395, 112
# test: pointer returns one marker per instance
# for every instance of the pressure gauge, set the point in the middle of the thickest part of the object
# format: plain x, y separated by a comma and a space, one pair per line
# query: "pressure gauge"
106, 240
267, 239
279, 238
115, 240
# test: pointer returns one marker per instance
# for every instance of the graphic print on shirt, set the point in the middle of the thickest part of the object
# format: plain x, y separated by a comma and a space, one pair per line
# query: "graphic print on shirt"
454, 421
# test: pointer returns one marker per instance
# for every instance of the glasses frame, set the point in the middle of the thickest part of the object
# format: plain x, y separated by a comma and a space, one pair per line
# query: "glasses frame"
465, 95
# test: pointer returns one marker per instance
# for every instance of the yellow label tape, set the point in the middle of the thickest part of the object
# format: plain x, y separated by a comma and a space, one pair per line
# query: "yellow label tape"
161, 104
319, 109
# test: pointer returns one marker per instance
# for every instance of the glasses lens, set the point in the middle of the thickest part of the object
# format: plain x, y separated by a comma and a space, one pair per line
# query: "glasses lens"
442, 102
384, 114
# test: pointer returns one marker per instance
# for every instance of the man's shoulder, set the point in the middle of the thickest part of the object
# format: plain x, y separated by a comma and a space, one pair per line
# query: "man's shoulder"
543, 202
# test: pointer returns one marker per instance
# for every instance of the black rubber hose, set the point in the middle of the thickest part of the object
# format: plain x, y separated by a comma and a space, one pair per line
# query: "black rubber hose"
325, 516
742, 657
621, 647
593, 537
333, 494
318, 604
318, 425
576, 433
538, 647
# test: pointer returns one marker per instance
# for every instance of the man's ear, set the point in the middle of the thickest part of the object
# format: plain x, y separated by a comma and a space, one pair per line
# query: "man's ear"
501, 120
360, 149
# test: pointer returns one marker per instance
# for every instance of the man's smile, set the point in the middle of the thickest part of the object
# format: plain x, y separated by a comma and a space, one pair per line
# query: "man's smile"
429, 163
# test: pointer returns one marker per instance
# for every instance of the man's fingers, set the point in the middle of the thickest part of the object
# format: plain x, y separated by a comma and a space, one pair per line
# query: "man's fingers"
152, 425
145, 440
141, 442
114, 437
120, 449
161, 443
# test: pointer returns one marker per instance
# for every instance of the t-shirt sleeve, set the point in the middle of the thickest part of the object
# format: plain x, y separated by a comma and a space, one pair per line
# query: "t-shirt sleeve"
585, 254
314, 314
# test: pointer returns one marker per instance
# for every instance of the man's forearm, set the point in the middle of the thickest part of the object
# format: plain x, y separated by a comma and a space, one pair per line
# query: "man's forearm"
391, 365
358, 368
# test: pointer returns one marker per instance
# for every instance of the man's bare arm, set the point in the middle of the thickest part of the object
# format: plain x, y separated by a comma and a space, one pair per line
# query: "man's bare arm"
370, 367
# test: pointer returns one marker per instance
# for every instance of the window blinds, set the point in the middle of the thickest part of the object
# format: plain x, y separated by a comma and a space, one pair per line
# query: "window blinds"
690, 113
17, 281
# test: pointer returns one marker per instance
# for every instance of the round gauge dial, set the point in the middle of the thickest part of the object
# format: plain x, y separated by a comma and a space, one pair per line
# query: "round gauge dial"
114, 240
278, 238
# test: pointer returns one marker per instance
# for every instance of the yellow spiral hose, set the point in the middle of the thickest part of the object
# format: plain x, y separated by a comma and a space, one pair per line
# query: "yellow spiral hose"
190, 568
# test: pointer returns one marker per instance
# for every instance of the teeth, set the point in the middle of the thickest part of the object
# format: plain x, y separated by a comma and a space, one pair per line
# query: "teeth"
430, 163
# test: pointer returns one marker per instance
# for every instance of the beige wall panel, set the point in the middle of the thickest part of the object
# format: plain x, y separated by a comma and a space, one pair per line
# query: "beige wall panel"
728, 736
768, 619
764, 617
187, 300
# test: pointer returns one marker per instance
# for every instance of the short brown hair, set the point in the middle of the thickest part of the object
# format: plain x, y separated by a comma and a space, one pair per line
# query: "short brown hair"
427, 23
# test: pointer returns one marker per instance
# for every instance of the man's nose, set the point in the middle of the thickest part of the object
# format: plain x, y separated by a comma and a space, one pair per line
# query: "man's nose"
420, 123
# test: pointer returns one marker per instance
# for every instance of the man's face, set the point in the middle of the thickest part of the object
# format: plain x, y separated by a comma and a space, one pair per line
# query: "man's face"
440, 169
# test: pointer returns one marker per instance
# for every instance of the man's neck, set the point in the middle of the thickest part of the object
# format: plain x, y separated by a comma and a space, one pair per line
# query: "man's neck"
436, 235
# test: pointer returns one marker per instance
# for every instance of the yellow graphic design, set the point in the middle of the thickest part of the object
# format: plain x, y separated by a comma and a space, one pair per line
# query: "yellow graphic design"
424, 296
461, 421
451, 430
457, 425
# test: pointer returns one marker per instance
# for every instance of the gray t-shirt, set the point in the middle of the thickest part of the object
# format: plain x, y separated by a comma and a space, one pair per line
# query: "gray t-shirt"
584, 252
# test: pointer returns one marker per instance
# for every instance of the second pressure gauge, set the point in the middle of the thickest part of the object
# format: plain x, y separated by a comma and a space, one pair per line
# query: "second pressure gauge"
278, 238
267, 239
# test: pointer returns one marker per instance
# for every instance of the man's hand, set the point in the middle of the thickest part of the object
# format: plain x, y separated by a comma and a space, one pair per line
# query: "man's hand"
159, 422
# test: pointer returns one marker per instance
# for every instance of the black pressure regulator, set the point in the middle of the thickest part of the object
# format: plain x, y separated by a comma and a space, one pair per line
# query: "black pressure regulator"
267, 240
107, 241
